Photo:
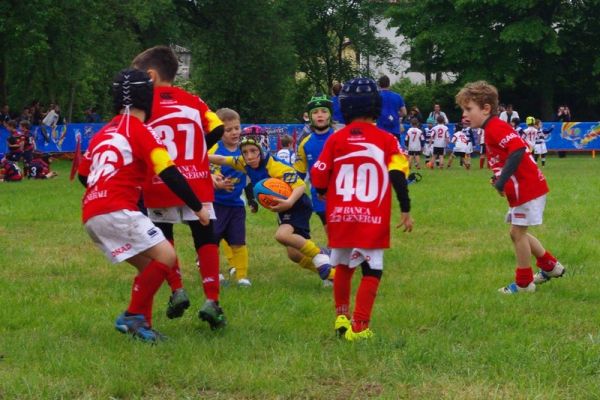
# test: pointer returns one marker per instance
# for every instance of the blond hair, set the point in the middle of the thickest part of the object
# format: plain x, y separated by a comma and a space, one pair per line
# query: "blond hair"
480, 93
227, 114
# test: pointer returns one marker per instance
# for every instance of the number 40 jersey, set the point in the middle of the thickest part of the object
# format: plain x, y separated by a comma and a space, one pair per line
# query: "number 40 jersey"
181, 120
354, 168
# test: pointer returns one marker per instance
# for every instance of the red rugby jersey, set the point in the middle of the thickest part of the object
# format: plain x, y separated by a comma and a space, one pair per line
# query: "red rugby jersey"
180, 120
116, 163
353, 166
528, 182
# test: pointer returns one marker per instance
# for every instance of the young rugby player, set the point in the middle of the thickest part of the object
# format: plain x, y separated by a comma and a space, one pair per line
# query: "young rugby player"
355, 171
113, 169
517, 177
187, 127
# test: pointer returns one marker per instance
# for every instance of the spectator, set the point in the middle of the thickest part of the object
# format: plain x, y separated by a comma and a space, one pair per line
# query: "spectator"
437, 111
36, 113
25, 115
50, 121
4, 114
392, 108
91, 116
415, 113
338, 118
563, 114
508, 114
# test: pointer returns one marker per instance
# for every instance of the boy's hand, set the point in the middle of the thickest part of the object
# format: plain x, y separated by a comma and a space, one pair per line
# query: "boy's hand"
406, 221
282, 205
222, 183
203, 216
322, 197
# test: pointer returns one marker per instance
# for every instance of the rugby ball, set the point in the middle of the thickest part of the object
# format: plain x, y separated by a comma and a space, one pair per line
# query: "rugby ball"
269, 188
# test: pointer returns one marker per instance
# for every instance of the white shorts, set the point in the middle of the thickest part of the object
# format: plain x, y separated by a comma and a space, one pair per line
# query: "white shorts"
354, 257
527, 214
540, 148
427, 150
123, 234
175, 215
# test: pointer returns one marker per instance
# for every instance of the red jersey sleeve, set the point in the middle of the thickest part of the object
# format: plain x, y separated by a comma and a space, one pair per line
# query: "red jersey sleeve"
85, 164
507, 138
210, 120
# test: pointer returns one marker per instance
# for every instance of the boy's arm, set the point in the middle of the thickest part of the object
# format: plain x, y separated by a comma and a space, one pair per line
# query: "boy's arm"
398, 168
236, 163
510, 167
286, 204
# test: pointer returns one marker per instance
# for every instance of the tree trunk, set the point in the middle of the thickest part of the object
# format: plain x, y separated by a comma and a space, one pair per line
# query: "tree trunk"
3, 89
71, 103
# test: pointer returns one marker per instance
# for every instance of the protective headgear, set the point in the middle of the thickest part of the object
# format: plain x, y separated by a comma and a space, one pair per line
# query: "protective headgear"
319, 101
257, 136
132, 88
360, 98
530, 120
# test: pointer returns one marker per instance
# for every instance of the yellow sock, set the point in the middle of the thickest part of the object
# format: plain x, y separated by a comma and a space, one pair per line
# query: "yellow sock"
239, 260
310, 249
227, 252
306, 263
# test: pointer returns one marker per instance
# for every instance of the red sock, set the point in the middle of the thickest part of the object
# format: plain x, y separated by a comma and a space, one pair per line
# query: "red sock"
546, 262
523, 276
342, 283
208, 258
145, 286
365, 297
174, 276
481, 161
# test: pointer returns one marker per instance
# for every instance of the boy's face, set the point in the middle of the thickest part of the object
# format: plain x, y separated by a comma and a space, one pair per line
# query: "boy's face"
320, 118
251, 155
474, 115
231, 136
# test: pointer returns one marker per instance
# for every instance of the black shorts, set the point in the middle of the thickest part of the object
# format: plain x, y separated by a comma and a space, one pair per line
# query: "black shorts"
298, 216
438, 151
414, 153
460, 154
482, 151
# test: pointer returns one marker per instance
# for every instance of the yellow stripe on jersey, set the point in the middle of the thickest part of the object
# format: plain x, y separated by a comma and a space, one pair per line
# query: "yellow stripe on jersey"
160, 160
236, 162
214, 168
213, 120
300, 164
399, 162
277, 169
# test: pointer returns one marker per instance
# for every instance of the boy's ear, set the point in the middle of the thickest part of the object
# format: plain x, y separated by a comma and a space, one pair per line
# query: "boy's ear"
487, 109
153, 75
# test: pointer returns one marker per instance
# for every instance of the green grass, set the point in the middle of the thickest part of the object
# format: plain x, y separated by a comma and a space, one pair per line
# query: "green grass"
442, 330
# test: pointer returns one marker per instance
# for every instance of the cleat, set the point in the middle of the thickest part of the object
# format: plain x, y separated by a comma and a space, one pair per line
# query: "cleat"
327, 283
342, 324
324, 270
213, 314
244, 282
178, 303
232, 272
514, 288
544, 276
136, 326
352, 336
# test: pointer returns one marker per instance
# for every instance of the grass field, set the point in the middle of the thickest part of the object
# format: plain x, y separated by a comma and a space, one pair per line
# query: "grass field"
442, 330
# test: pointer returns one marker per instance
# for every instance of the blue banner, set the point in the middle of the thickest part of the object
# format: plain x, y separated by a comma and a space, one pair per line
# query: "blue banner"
568, 136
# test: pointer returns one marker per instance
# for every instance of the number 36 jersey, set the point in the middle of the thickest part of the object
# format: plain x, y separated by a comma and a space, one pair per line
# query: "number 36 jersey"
180, 120
354, 168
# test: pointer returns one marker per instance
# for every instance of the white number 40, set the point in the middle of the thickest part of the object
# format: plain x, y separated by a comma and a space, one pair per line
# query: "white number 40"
364, 184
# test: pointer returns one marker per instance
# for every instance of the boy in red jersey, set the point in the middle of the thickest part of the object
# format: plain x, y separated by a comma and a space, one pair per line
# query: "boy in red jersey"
517, 177
113, 169
355, 170
187, 127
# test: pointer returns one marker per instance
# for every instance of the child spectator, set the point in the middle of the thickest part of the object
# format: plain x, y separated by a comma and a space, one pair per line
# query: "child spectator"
439, 140
539, 148
358, 209
230, 209
294, 212
15, 142
319, 114
461, 142
286, 153
9, 171
188, 128
113, 169
517, 177
428, 146
39, 167
415, 139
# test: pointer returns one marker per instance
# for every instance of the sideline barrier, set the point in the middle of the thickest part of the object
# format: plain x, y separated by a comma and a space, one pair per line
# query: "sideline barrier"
568, 136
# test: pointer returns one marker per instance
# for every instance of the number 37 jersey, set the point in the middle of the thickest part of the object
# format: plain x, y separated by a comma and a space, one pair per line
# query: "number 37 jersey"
354, 168
180, 120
